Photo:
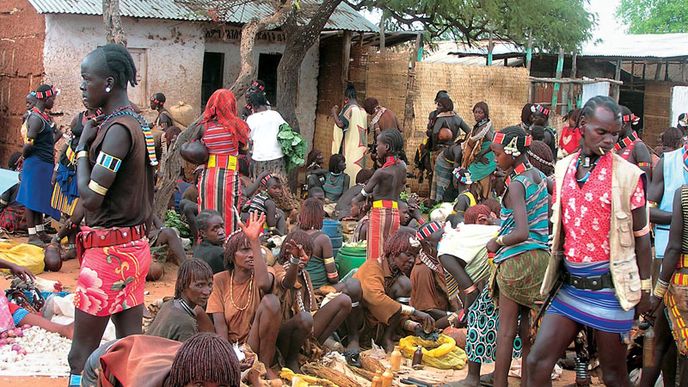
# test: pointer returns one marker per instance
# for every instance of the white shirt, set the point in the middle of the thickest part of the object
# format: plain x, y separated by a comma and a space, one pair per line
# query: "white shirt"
264, 129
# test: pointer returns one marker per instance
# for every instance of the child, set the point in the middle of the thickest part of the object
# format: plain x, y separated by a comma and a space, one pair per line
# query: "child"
263, 203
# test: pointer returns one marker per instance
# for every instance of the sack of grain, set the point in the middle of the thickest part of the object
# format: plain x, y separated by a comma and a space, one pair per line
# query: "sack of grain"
182, 114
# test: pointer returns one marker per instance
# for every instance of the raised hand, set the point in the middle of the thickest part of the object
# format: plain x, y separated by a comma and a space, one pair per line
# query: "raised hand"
254, 227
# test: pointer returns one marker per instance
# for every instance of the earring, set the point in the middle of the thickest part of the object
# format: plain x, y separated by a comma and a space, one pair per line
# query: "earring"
108, 89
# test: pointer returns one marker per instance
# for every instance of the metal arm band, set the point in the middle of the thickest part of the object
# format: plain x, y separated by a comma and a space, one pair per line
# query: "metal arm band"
97, 188
642, 232
363, 192
646, 285
327, 261
81, 154
407, 310
651, 204
470, 289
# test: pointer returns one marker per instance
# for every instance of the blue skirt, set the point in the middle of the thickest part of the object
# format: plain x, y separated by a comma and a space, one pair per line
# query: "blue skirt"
34, 189
598, 309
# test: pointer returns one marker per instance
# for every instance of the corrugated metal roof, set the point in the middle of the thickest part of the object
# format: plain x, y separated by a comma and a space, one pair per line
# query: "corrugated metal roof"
664, 46
343, 18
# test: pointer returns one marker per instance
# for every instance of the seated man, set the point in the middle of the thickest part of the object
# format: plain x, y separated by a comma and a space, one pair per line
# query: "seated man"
410, 216
381, 282
183, 316
428, 286
165, 244
211, 229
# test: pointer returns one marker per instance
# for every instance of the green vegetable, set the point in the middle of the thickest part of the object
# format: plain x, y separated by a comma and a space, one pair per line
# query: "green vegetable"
293, 146
174, 220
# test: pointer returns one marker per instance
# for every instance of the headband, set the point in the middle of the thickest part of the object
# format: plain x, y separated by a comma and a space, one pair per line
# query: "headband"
265, 179
511, 148
540, 109
48, 93
258, 85
428, 229
156, 101
630, 118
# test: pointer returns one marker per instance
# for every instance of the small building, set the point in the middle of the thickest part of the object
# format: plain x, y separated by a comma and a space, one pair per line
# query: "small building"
177, 51
648, 73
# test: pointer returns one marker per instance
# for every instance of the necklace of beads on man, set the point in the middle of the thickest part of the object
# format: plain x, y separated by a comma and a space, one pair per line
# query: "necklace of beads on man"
145, 128
520, 168
626, 141
43, 115
586, 164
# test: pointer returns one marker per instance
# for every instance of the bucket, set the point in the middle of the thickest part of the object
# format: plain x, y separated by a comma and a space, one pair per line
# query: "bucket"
350, 258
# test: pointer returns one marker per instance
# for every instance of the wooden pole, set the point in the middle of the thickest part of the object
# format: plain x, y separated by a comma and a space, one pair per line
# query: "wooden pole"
529, 53
419, 47
346, 56
616, 89
658, 69
382, 33
666, 71
572, 88
557, 86
684, 74
490, 47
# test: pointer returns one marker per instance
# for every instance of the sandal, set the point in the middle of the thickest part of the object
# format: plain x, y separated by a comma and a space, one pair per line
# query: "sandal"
353, 358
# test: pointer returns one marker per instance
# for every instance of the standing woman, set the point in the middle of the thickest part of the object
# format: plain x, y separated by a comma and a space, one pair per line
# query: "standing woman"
521, 246
350, 138
223, 134
34, 189
601, 238
478, 159
115, 171
630, 147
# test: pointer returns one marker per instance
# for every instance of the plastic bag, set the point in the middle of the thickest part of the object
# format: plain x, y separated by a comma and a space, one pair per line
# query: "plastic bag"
442, 354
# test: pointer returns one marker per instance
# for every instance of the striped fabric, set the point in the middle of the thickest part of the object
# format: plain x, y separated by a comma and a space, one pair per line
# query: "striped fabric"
441, 177
676, 301
219, 187
383, 223
596, 309
537, 209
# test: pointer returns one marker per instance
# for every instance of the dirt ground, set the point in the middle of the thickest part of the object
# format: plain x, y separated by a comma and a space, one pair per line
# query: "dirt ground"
162, 288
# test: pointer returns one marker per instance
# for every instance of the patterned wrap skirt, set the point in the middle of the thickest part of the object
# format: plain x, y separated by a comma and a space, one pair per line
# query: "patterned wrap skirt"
481, 330
441, 178
112, 279
598, 309
676, 301
219, 190
519, 278
383, 222
65, 193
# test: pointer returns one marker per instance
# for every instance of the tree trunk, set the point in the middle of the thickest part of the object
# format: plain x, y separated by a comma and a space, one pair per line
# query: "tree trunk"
114, 33
299, 39
247, 73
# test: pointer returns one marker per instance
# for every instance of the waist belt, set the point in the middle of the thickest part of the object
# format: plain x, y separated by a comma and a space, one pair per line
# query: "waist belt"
222, 161
682, 262
385, 204
597, 282
105, 237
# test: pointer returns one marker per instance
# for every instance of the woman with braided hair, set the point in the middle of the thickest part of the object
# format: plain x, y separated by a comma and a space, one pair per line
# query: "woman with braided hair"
115, 172
599, 268
241, 304
478, 159
520, 249
630, 146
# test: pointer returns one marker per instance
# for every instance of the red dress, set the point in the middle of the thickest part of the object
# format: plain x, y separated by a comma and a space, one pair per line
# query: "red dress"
569, 141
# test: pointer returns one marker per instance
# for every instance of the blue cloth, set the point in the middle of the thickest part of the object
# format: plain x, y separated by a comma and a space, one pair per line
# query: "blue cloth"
181, 187
537, 210
66, 179
34, 189
19, 315
598, 309
675, 175
8, 179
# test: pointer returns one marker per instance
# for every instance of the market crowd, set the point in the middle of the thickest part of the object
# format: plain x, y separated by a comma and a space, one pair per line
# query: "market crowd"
534, 236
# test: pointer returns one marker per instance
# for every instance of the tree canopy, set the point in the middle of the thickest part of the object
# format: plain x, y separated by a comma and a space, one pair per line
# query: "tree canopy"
552, 24
654, 16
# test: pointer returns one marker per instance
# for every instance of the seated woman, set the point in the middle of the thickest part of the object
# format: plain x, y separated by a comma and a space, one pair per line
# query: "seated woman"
164, 241
21, 316
300, 313
321, 266
336, 180
315, 173
211, 230
241, 304
463, 253
182, 317
205, 359
383, 281
264, 203
428, 285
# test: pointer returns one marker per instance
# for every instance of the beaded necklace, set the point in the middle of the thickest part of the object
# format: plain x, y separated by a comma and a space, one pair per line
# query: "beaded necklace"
145, 128
520, 168
43, 115
586, 164
231, 292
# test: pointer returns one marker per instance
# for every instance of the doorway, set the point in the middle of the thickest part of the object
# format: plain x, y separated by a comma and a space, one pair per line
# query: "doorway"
267, 72
213, 75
